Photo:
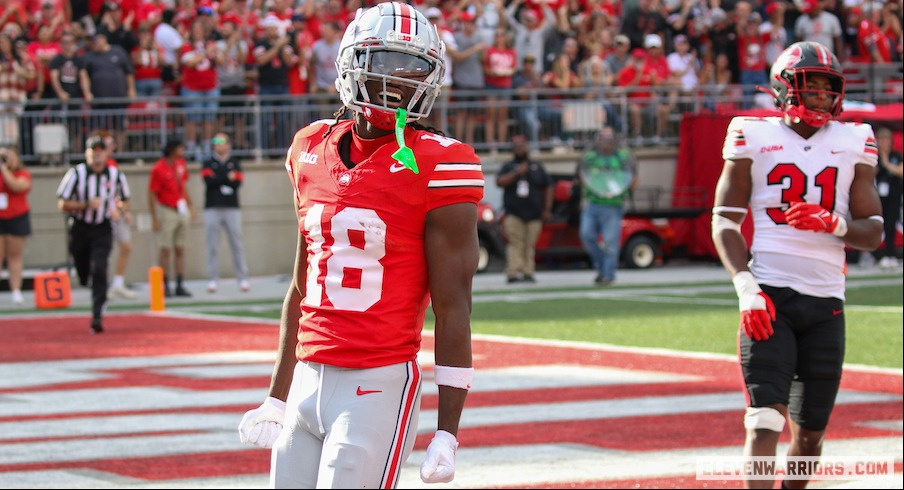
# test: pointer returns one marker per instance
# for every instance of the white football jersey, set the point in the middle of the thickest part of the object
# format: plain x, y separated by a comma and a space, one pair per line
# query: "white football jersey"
788, 168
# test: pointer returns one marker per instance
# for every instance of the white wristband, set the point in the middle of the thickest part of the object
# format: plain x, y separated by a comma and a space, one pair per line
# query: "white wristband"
841, 228
878, 218
456, 377
745, 284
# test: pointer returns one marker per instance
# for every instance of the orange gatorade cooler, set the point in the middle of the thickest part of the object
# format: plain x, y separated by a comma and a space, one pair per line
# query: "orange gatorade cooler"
52, 290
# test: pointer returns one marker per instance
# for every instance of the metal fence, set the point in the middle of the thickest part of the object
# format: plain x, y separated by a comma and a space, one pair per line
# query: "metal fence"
262, 126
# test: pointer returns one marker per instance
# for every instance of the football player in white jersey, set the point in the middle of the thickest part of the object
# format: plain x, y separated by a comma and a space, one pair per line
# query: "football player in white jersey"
808, 182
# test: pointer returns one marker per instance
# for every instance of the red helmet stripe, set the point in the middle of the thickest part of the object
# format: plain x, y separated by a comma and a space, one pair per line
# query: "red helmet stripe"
825, 57
406, 17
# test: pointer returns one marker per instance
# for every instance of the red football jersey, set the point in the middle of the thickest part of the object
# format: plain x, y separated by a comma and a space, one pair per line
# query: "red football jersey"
367, 292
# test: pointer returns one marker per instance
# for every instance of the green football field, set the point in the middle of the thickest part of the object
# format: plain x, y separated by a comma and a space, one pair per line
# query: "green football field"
699, 318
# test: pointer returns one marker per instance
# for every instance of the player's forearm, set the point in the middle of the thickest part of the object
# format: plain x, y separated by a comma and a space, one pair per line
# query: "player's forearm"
451, 404
283, 370
732, 249
864, 234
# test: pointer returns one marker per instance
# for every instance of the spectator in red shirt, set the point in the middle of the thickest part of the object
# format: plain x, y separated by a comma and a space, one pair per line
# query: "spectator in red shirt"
149, 13
15, 222
637, 74
303, 41
664, 98
147, 57
891, 27
12, 13
47, 13
752, 57
199, 58
41, 51
872, 42
171, 211
499, 64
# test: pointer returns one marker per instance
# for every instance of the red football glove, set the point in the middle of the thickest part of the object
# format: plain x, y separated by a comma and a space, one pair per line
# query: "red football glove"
757, 310
813, 217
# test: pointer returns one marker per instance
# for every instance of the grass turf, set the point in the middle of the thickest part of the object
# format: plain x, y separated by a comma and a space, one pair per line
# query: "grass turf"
704, 322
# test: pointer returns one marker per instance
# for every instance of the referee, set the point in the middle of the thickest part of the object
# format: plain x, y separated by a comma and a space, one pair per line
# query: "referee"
93, 194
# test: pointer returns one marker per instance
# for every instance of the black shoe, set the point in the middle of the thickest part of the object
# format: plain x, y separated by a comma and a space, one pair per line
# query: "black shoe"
167, 292
512, 280
96, 326
180, 291
529, 278
600, 281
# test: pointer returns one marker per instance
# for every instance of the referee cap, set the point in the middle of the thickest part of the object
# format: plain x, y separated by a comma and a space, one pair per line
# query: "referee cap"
96, 142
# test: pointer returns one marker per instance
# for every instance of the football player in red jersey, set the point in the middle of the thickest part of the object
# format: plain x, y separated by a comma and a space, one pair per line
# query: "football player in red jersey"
387, 223
808, 181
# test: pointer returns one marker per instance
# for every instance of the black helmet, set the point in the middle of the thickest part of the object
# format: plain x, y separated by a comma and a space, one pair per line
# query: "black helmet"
789, 78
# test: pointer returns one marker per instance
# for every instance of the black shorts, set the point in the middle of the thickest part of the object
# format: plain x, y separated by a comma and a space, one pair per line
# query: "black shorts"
233, 92
800, 365
18, 226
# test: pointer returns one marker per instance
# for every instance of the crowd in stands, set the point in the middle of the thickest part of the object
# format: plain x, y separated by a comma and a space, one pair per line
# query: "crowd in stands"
56, 51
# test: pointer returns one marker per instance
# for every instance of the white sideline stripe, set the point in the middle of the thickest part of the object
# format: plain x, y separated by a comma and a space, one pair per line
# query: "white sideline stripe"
479, 467
564, 463
43, 373
210, 424
150, 398
651, 351
86, 478
626, 407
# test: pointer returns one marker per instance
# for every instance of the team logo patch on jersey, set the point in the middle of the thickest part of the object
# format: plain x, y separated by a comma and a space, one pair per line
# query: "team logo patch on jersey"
770, 148
309, 158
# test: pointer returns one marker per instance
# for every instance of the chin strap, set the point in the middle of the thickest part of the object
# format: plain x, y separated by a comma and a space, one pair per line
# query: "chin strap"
403, 155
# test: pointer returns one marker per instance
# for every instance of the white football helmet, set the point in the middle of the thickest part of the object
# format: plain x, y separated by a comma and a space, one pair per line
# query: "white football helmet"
388, 46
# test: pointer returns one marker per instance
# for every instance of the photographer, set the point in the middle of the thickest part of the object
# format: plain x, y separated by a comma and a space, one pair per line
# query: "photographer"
15, 222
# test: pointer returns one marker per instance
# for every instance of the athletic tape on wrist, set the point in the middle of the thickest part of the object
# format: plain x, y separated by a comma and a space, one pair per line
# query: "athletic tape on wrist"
456, 377
745, 283
841, 228
878, 218
729, 209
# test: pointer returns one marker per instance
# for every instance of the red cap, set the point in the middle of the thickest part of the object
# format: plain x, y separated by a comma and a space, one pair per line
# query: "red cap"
639, 53
772, 7
467, 17
808, 5
230, 17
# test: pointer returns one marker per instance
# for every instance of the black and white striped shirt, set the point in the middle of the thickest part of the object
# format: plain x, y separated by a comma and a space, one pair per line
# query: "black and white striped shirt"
82, 184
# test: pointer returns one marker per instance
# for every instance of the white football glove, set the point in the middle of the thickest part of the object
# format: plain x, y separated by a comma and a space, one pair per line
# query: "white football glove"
262, 425
439, 465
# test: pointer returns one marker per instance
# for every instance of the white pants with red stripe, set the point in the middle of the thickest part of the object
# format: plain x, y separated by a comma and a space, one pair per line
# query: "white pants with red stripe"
347, 428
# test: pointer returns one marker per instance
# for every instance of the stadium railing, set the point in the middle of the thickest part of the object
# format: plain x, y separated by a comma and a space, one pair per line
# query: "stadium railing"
262, 126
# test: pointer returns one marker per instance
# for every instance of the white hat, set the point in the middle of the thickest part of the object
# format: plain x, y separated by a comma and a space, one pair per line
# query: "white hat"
652, 41
270, 21
433, 13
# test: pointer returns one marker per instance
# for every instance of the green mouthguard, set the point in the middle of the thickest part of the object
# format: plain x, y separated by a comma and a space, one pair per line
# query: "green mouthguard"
403, 155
